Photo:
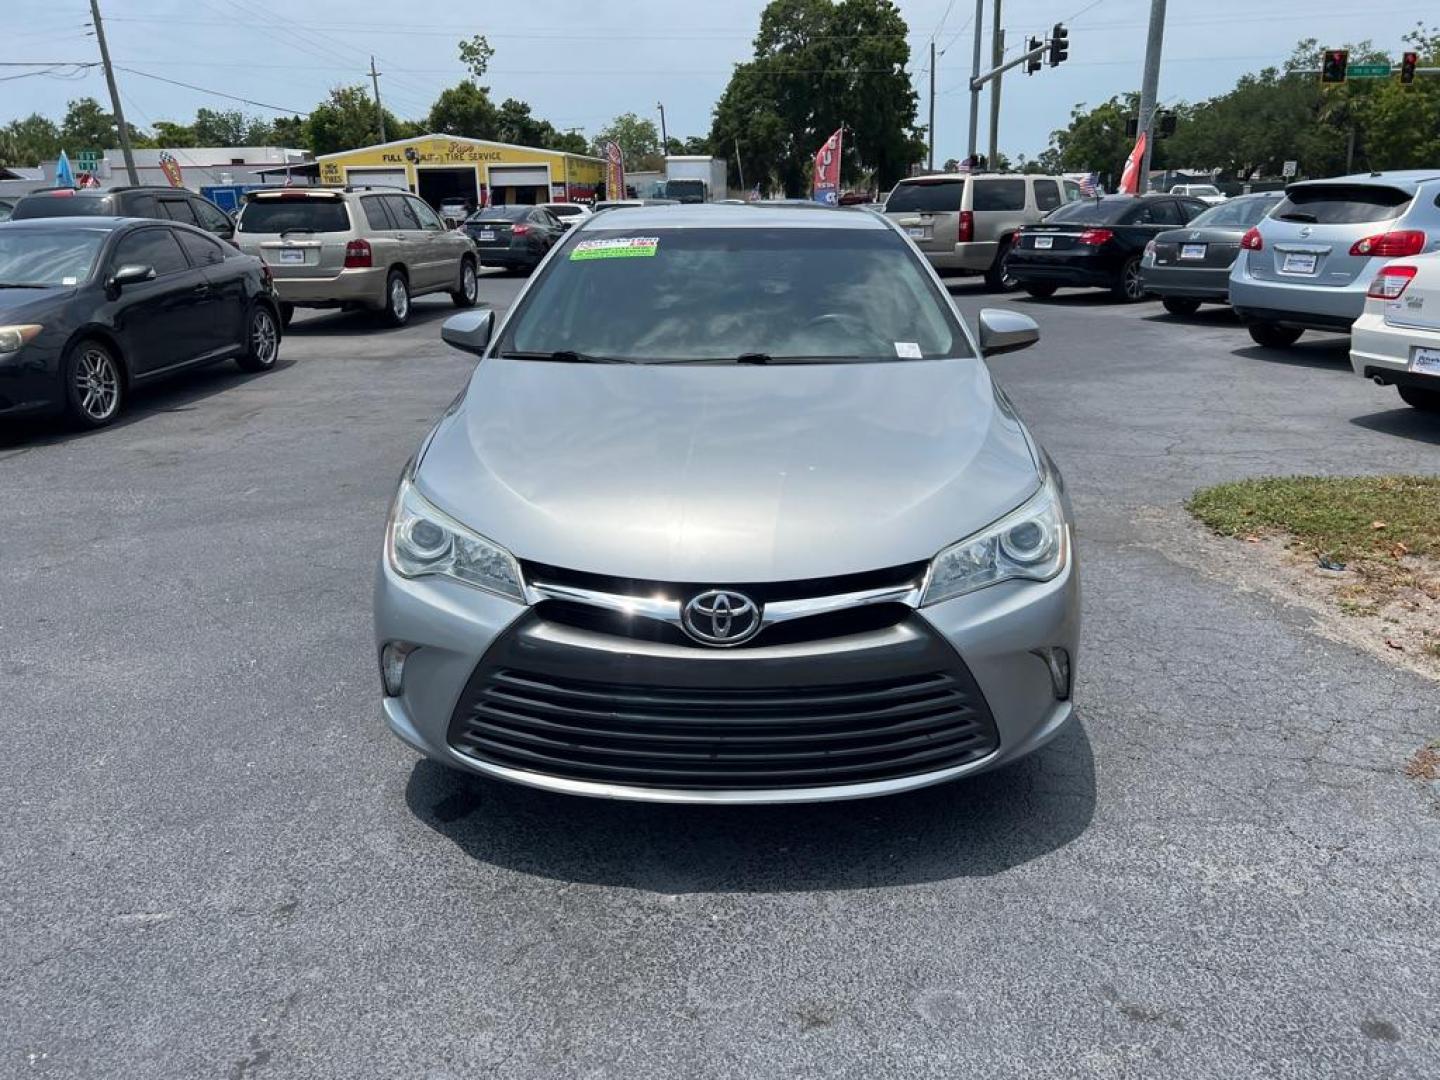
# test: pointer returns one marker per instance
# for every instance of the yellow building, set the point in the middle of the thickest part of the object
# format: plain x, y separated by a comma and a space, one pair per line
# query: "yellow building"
438, 167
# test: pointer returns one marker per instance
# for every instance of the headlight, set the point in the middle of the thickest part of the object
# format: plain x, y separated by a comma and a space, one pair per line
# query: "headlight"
12, 337
421, 540
1031, 542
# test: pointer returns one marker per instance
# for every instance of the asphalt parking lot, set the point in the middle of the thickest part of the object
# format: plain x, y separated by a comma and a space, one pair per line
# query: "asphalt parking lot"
217, 862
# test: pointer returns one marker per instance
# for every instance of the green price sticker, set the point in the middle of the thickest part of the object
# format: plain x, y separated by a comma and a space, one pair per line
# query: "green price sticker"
634, 247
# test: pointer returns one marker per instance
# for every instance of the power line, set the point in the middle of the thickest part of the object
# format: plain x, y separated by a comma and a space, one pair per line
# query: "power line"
213, 93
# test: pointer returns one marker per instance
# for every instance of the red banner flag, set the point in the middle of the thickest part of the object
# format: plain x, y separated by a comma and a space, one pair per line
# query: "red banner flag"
826, 187
1130, 178
171, 168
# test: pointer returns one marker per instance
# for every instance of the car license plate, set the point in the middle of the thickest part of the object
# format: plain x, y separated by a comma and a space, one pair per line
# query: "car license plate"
487, 234
1044, 242
1192, 251
292, 255
1425, 361
1298, 262
918, 233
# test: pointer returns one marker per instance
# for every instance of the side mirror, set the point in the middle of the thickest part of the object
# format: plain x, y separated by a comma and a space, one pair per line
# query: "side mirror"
130, 274
1004, 331
469, 331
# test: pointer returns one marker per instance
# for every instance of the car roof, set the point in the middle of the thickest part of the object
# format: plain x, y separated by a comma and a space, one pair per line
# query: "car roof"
976, 175
724, 216
1406, 179
78, 223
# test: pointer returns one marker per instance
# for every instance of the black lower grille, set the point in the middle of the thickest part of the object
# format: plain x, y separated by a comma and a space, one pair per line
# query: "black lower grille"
707, 737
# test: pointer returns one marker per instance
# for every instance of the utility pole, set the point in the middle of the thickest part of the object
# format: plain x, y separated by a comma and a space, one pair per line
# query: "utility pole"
1148, 88
379, 112
931, 166
974, 81
664, 136
997, 55
740, 165
120, 125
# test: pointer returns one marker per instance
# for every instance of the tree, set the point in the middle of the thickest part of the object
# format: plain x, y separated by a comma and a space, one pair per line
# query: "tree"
347, 119
515, 124
89, 127
169, 133
292, 131
219, 127
637, 137
30, 141
695, 145
1096, 140
465, 109
475, 54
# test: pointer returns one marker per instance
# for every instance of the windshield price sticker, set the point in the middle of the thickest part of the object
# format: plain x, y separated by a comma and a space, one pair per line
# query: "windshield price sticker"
634, 247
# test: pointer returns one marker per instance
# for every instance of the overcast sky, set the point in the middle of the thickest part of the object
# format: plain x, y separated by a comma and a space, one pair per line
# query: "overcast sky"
580, 62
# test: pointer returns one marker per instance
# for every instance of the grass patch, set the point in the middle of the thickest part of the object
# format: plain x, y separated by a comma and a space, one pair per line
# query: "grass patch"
1368, 520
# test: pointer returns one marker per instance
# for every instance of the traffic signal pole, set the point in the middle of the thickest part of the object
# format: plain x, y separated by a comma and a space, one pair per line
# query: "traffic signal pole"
1149, 87
975, 82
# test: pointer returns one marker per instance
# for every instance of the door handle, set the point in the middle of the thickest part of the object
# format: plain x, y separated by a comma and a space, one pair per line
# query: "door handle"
201, 290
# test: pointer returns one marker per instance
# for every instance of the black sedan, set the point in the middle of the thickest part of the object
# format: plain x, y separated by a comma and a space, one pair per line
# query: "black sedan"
93, 307
515, 237
1190, 266
1095, 242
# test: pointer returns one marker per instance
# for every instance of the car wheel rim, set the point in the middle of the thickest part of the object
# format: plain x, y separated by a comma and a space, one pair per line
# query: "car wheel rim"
399, 299
471, 284
1134, 289
264, 341
98, 384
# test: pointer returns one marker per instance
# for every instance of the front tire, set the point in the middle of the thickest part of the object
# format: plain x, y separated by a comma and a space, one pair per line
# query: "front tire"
397, 300
1427, 400
94, 384
1181, 305
1272, 336
997, 278
1129, 286
287, 312
262, 340
1041, 290
469, 291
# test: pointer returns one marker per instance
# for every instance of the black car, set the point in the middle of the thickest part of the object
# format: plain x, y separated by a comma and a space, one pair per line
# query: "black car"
515, 237
1095, 242
91, 307
165, 203
1190, 266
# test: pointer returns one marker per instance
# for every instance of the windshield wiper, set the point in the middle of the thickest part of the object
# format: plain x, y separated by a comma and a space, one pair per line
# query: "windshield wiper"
564, 356
1309, 218
22, 285
754, 358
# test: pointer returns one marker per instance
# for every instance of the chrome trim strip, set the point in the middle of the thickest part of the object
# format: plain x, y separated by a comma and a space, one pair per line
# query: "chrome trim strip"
647, 607
784, 610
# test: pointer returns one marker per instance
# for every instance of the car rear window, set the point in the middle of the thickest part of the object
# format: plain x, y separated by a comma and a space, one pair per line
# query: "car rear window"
294, 215
1342, 204
649, 295
1237, 214
1091, 212
926, 196
999, 195
45, 205
501, 213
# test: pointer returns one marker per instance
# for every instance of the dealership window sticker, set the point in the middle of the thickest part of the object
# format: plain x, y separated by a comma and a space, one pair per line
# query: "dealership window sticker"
632, 247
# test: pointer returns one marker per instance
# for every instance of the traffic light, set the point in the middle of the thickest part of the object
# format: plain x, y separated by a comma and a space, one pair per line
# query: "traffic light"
1059, 43
1332, 68
1032, 65
1407, 66
1167, 124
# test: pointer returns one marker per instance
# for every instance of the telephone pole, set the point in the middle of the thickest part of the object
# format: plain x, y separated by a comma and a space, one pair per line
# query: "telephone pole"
1149, 87
931, 166
997, 57
120, 125
974, 81
379, 112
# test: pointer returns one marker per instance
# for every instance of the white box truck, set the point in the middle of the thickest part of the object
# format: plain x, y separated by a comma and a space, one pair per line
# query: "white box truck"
694, 178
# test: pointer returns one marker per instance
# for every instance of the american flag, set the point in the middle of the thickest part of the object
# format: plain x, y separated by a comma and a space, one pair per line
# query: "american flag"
1090, 185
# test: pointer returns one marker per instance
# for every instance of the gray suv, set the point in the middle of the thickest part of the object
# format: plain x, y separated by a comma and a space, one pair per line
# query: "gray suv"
356, 247
967, 223
1308, 265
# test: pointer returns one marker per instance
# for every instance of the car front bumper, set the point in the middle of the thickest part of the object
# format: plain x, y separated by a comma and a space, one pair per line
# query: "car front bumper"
991, 645
1381, 351
30, 383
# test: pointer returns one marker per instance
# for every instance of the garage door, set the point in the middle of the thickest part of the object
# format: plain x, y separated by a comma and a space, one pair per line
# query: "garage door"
381, 177
519, 176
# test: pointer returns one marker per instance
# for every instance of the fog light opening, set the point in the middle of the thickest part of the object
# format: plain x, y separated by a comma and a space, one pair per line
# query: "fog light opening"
1058, 661
392, 666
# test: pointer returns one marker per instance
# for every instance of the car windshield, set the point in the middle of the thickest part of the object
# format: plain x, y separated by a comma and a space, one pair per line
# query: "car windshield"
1238, 213
1090, 212
47, 258
1342, 204
300, 214
62, 204
756, 294
501, 213
1197, 189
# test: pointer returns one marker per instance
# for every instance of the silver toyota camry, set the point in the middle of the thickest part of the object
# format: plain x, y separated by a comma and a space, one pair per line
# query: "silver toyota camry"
731, 511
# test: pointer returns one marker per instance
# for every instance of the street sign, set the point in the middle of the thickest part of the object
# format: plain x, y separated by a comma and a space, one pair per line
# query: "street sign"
1289, 169
88, 161
1368, 71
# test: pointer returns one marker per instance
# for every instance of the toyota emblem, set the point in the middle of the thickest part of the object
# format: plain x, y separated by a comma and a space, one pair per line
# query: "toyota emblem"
721, 617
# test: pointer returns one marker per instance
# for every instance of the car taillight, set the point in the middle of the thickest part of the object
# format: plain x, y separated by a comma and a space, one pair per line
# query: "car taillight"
1251, 240
519, 230
357, 254
1389, 245
1390, 282
1095, 237
63, 193
967, 226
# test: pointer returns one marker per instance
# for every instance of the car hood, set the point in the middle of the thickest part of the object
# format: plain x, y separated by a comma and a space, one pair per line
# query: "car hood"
19, 305
728, 474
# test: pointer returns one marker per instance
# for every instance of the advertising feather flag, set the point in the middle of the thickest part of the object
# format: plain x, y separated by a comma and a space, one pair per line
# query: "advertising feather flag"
1130, 178
826, 187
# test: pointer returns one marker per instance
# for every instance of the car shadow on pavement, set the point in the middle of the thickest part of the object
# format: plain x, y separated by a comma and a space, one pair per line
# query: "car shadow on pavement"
1328, 353
1405, 422
973, 827
325, 323
1210, 315
177, 394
